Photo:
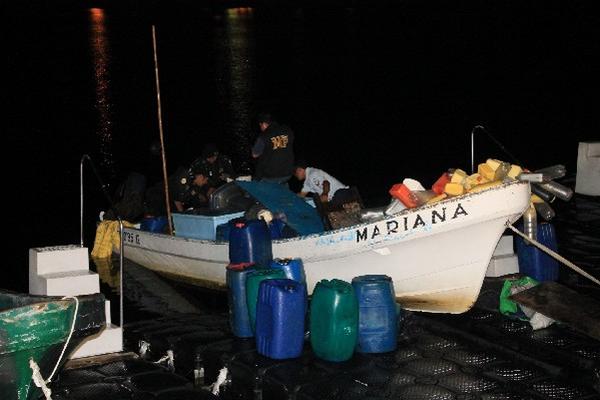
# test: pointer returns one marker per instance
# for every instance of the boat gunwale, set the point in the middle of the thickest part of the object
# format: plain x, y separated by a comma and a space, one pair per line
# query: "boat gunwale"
68, 302
406, 211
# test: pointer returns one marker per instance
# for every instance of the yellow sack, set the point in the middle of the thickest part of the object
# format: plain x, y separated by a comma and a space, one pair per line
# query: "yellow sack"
107, 238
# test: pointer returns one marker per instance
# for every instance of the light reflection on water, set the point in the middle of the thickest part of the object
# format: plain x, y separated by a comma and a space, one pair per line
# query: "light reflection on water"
100, 51
234, 50
235, 70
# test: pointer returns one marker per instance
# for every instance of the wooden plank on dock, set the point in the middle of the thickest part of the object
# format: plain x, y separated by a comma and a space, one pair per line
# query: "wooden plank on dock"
565, 305
102, 359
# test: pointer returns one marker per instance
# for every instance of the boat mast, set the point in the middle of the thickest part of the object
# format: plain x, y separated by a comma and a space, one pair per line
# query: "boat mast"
160, 129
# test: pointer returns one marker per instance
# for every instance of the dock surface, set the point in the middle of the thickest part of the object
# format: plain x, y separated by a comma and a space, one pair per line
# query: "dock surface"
478, 355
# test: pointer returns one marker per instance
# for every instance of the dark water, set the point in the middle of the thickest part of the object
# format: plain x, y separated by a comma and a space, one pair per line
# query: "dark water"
374, 93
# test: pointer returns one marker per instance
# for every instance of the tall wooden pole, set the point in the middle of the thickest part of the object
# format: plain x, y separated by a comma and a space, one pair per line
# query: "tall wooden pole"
160, 129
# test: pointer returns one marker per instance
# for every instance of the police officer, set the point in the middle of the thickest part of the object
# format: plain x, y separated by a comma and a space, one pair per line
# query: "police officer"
274, 151
192, 190
218, 166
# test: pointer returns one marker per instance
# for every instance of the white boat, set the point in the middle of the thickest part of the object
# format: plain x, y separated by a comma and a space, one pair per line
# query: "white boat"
436, 255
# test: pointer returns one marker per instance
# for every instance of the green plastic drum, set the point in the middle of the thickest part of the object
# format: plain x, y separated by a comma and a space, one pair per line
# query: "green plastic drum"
253, 281
333, 320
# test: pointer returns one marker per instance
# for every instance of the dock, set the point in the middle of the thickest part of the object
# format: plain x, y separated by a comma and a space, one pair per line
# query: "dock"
476, 355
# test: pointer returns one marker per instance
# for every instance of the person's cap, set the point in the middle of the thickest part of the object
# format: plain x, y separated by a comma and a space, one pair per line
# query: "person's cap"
264, 117
301, 164
210, 150
198, 170
193, 172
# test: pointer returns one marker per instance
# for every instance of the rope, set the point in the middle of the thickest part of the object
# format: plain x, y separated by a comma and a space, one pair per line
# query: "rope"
144, 347
169, 358
216, 387
36, 373
62, 353
553, 254
39, 381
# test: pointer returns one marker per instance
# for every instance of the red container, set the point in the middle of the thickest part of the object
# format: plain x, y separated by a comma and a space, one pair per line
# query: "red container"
438, 186
401, 192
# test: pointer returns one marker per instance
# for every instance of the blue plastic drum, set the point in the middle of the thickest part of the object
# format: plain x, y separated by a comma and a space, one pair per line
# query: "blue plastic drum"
239, 319
292, 267
280, 314
534, 262
377, 318
276, 227
155, 224
222, 232
250, 242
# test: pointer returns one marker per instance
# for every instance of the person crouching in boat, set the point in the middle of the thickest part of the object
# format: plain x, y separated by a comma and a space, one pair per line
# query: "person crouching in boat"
192, 191
218, 166
329, 189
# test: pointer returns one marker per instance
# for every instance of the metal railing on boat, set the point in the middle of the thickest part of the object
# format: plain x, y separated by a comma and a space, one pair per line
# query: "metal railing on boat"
103, 188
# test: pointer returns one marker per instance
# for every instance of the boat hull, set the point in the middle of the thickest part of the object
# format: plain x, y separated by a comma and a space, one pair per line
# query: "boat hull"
436, 255
37, 327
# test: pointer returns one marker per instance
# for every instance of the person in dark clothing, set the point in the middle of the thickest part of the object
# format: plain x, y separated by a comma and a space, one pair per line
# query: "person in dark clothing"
154, 198
187, 189
274, 151
128, 199
218, 166
192, 191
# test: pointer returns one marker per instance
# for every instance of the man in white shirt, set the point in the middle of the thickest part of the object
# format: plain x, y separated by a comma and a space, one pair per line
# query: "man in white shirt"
329, 189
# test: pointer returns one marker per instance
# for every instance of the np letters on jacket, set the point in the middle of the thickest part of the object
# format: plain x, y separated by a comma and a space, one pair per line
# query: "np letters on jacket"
279, 142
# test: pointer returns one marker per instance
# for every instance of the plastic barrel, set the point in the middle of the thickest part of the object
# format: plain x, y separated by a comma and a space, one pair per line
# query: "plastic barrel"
377, 318
156, 224
253, 281
292, 267
249, 242
239, 319
333, 320
280, 311
276, 228
534, 262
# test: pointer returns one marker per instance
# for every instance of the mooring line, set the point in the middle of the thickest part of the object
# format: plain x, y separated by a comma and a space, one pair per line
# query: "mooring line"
553, 254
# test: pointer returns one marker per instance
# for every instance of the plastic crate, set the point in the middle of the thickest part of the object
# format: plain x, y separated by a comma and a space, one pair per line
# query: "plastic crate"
201, 226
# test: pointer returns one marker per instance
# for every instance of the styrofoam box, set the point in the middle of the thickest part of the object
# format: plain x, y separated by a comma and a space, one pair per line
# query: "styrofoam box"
202, 227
